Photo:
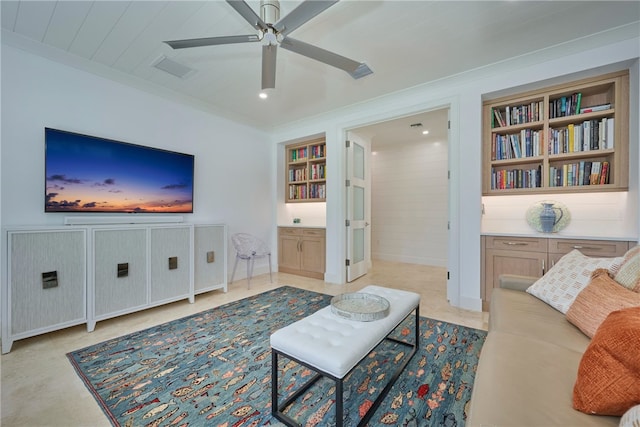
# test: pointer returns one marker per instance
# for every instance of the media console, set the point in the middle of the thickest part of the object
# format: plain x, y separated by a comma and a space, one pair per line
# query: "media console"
56, 277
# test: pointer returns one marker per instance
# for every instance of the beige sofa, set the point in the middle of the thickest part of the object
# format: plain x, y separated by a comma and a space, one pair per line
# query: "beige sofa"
528, 364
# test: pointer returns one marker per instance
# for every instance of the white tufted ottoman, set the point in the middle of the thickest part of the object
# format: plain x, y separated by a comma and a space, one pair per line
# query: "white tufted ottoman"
332, 346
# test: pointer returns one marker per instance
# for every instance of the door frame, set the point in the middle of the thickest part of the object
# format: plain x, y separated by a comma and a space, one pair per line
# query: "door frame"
339, 212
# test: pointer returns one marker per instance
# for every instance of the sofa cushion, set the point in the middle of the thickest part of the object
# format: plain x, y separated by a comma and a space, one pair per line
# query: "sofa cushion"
629, 273
564, 281
631, 418
523, 314
608, 380
525, 382
599, 298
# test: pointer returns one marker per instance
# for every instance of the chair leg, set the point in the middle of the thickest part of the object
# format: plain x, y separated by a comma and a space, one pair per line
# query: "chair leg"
270, 274
249, 272
235, 264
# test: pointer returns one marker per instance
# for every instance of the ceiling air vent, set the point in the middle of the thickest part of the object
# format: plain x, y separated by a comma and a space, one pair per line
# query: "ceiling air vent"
172, 67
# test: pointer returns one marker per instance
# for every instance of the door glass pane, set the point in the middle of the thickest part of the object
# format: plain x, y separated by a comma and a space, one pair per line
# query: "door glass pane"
358, 161
358, 203
358, 245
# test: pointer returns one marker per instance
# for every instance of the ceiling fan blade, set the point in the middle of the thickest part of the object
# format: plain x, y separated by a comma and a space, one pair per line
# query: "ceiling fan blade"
212, 41
301, 14
248, 14
269, 66
354, 68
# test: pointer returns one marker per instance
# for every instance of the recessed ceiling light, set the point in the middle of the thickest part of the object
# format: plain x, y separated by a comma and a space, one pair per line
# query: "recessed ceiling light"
263, 95
425, 132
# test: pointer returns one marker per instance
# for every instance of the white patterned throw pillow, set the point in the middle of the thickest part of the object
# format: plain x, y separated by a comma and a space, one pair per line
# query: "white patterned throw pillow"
564, 281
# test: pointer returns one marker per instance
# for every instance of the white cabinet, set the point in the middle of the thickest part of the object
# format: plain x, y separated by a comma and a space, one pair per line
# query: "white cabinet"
210, 258
45, 286
119, 281
137, 267
58, 277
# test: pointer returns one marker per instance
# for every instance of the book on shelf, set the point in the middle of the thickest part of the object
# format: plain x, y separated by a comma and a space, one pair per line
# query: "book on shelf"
498, 117
565, 105
604, 174
317, 151
610, 132
298, 154
595, 108
581, 173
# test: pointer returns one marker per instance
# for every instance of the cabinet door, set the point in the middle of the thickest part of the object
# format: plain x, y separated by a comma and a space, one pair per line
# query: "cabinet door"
313, 252
170, 263
210, 258
47, 280
511, 262
289, 252
120, 270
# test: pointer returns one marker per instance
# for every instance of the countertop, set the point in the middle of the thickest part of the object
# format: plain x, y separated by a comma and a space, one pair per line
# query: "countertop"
301, 226
560, 236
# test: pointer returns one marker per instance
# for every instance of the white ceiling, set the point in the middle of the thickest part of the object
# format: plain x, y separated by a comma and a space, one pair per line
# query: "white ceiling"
405, 43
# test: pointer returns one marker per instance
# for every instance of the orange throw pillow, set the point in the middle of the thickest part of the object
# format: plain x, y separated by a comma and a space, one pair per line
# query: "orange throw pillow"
608, 380
599, 298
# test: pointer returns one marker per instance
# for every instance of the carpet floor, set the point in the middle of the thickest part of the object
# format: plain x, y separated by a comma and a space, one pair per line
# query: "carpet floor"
214, 369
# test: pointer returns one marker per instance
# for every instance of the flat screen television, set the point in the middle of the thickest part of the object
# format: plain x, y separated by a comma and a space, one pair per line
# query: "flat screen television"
89, 174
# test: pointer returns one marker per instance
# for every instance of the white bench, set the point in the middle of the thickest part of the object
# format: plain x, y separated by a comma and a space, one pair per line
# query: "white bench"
332, 346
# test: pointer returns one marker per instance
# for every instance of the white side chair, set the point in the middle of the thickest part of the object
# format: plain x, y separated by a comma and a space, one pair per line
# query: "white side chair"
249, 248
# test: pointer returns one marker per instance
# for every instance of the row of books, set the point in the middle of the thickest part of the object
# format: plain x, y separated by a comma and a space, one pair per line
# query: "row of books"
597, 134
560, 107
300, 192
581, 173
565, 105
298, 154
317, 171
317, 191
518, 114
318, 151
516, 178
526, 143
299, 174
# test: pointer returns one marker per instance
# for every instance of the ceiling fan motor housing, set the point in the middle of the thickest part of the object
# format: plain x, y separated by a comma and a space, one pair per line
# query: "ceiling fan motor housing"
270, 11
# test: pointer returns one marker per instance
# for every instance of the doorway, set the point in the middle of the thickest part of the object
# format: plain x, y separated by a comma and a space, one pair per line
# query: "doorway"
409, 166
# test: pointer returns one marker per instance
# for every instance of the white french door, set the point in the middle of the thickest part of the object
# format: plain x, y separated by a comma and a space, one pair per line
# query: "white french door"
358, 215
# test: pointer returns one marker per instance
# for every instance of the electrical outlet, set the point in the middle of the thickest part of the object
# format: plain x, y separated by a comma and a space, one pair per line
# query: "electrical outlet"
173, 263
211, 257
50, 280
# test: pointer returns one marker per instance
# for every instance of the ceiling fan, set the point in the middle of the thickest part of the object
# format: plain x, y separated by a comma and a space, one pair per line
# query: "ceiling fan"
273, 31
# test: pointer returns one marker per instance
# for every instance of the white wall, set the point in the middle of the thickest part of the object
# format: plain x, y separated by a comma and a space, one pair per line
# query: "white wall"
464, 94
233, 163
409, 202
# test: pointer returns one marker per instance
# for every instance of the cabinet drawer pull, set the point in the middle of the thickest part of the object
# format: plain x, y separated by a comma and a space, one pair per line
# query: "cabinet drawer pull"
515, 243
591, 248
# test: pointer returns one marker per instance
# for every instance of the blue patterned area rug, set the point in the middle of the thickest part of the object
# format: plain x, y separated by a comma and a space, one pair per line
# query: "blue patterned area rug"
214, 369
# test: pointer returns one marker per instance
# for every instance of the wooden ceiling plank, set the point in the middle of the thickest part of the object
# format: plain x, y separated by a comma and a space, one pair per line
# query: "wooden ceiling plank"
132, 23
33, 18
66, 21
100, 21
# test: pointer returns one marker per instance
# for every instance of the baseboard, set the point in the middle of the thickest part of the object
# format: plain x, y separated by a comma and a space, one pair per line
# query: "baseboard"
474, 304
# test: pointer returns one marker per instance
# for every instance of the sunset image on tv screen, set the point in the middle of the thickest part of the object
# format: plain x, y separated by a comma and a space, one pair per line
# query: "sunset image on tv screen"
88, 174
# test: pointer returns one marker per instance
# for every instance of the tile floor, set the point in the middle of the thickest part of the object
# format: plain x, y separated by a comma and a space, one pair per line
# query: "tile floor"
39, 387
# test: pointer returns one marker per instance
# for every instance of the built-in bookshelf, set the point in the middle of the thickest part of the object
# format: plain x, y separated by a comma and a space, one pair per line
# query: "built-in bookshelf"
567, 138
306, 172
